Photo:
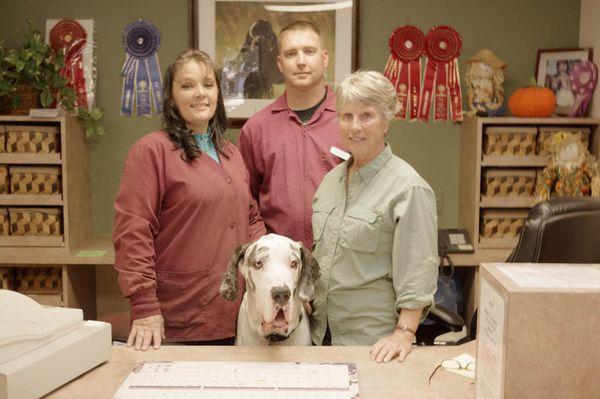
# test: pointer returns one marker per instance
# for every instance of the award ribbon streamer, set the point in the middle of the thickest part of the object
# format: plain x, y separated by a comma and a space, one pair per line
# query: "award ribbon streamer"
403, 68
71, 36
443, 46
141, 72
584, 77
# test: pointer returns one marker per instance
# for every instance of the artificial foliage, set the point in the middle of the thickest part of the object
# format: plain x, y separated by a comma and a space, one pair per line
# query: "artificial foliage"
36, 66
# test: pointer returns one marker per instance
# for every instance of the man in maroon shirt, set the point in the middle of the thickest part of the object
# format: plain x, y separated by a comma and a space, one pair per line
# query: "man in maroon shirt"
286, 146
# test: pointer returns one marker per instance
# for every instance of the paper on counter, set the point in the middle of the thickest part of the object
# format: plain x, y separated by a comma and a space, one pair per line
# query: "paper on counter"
229, 380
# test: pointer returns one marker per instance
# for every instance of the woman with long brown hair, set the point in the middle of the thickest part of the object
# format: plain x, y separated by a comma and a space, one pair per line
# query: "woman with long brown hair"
183, 207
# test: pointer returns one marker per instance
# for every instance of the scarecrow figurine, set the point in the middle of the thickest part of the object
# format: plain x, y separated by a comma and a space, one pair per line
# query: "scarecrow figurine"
571, 171
484, 78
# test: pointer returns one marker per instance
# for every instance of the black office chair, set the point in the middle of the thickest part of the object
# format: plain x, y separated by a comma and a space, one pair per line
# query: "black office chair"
444, 316
560, 230
442, 320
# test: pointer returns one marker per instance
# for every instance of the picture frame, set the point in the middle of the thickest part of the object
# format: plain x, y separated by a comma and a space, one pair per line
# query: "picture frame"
552, 70
221, 27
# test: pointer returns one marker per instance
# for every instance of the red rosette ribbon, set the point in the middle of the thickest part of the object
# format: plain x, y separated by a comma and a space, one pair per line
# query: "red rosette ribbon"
69, 35
443, 47
403, 68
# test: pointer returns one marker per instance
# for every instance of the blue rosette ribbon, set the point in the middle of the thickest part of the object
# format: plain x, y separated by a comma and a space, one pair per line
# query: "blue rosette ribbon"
142, 82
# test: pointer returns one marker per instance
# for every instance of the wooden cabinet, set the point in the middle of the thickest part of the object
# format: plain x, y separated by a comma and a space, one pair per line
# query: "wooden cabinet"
495, 183
60, 151
500, 158
63, 149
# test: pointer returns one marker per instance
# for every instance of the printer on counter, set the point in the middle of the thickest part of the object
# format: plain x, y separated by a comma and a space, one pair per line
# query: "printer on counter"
42, 348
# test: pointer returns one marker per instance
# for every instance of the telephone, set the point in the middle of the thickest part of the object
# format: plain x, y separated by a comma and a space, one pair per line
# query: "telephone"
454, 241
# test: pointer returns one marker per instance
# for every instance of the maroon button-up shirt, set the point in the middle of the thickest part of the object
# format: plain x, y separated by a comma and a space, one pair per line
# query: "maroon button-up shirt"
176, 225
287, 160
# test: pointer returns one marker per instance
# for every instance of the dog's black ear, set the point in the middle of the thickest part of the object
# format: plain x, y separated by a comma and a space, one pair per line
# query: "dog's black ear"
309, 275
229, 285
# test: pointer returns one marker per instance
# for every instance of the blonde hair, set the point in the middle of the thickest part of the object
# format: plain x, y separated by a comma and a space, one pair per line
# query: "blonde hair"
368, 88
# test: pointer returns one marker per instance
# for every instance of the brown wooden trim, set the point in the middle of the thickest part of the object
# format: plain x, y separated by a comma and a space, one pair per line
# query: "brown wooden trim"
355, 35
235, 123
192, 23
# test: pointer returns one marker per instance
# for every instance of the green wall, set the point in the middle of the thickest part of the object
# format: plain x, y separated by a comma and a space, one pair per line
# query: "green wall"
107, 153
513, 29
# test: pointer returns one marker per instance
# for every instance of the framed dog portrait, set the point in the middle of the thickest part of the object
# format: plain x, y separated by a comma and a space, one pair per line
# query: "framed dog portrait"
241, 38
553, 70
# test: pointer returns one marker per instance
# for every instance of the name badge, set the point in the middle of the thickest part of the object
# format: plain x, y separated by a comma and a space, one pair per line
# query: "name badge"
339, 153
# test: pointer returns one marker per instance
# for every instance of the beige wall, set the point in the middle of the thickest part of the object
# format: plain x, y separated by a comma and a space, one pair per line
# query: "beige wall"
589, 36
514, 29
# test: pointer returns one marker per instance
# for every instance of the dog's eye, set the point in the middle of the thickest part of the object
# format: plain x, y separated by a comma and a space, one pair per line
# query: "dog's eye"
294, 264
258, 264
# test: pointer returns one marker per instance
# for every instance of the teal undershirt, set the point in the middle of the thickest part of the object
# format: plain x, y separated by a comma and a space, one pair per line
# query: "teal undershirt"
206, 145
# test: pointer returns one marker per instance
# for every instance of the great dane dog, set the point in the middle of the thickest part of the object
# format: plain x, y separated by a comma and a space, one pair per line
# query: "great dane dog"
280, 274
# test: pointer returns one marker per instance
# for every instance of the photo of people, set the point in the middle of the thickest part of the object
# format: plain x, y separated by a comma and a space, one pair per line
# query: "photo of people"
246, 47
557, 79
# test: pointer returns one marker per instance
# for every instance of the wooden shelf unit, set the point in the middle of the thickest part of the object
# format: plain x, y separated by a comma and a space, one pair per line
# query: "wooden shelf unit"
31, 200
78, 276
74, 200
33, 159
473, 161
505, 202
513, 161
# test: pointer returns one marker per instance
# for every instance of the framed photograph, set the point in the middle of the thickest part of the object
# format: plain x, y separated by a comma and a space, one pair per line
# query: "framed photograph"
241, 38
552, 70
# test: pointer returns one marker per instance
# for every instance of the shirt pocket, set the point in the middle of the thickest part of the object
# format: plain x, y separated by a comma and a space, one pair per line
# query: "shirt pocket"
320, 215
182, 297
361, 229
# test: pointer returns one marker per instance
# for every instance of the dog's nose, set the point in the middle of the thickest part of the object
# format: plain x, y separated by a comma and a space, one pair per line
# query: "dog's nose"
281, 295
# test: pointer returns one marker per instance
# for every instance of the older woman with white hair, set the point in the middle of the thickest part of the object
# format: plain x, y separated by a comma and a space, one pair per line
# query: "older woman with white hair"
374, 223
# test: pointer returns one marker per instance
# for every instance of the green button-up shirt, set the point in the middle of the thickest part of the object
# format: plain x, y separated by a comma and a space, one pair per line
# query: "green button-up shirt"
377, 248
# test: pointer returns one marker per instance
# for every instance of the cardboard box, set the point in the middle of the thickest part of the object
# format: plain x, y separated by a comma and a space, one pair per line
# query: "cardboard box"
538, 331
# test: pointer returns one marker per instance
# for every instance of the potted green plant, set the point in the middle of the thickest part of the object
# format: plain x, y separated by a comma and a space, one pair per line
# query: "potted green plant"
30, 78
6, 87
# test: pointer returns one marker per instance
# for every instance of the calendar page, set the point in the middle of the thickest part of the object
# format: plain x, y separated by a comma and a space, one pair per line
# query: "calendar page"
229, 380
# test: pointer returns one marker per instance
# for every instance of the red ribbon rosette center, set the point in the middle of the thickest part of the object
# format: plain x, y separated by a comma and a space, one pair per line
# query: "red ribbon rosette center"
403, 68
443, 46
71, 36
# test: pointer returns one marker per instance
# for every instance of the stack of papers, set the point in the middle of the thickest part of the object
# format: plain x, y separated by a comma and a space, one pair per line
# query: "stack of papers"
225, 380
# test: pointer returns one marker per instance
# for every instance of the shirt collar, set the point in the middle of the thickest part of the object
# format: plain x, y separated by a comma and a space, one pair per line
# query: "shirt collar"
368, 171
281, 103
202, 136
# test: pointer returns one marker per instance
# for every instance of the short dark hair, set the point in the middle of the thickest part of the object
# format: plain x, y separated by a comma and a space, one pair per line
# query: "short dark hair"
181, 136
298, 25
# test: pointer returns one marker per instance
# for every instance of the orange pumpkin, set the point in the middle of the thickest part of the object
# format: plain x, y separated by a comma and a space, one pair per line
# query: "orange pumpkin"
532, 102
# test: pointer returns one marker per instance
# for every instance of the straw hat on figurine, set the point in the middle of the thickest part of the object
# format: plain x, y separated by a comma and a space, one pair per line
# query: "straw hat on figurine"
487, 56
